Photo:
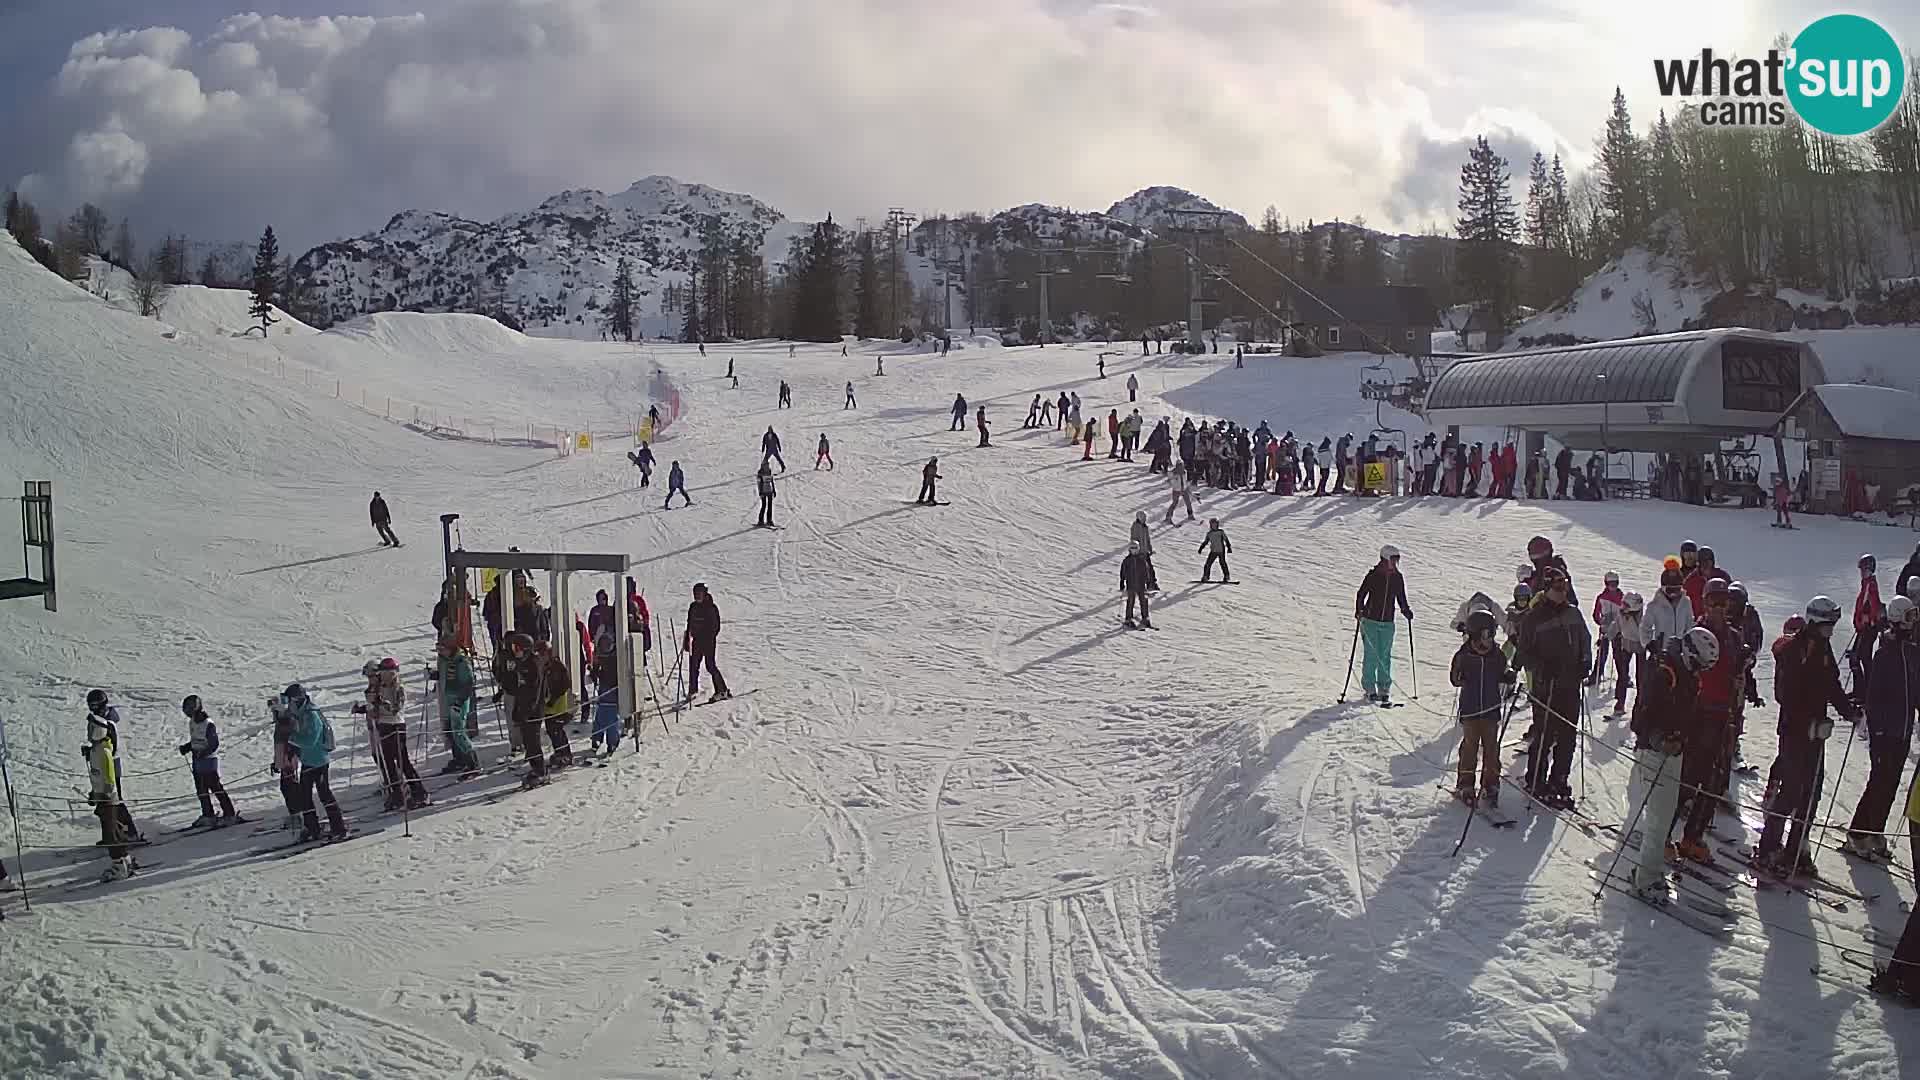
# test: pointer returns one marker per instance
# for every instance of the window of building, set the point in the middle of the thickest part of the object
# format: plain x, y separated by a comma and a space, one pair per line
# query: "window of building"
1409, 336
1333, 335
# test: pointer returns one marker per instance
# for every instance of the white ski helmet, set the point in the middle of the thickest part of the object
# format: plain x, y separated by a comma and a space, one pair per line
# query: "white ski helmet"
1699, 648
1388, 553
1633, 603
1133, 545
1901, 610
1611, 578
1525, 571
1822, 611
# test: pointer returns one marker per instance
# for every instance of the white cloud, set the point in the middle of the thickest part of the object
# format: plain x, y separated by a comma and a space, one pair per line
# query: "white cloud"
327, 125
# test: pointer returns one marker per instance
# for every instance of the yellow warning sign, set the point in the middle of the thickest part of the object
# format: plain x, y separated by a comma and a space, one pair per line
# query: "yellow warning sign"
583, 441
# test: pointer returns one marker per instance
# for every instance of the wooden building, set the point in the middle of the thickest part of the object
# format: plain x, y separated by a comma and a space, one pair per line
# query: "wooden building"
1862, 447
1362, 318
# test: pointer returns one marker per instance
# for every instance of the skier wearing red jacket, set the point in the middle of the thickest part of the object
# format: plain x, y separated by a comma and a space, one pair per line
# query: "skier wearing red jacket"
1706, 753
1868, 614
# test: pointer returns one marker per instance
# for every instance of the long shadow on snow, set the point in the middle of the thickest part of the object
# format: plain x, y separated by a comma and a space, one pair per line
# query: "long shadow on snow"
1158, 604
312, 562
1251, 911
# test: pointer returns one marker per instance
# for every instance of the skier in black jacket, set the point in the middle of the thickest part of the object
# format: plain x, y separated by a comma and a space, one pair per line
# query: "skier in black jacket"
1380, 591
1135, 575
1555, 647
382, 521
702, 637
763, 482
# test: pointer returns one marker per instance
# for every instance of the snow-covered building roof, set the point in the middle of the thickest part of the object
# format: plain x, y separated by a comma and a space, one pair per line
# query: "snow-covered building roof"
1859, 411
1666, 392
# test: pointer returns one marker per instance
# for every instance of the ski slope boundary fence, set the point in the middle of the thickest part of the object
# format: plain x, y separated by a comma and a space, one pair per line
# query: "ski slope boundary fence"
439, 422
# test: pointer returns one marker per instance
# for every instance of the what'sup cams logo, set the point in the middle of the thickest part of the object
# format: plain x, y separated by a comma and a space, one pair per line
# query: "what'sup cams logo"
1844, 75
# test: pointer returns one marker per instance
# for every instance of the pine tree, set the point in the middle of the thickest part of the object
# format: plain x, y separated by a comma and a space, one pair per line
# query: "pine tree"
618, 317
1664, 169
266, 284
123, 245
866, 320
1337, 254
1623, 178
210, 272
1310, 254
1539, 216
1488, 226
816, 304
691, 329
1560, 218
1369, 267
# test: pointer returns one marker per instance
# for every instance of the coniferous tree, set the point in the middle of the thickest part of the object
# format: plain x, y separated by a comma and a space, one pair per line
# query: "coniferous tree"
1310, 254
1623, 178
266, 281
816, 308
1337, 254
866, 320
618, 316
1488, 226
123, 245
1663, 169
1538, 222
210, 272
691, 329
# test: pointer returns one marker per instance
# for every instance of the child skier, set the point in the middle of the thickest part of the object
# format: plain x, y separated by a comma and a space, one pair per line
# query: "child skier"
1630, 642
1142, 540
677, 484
1217, 547
825, 453
1606, 614
385, 709
103, 774
1482, 674
456, 708
606, 679
203, 742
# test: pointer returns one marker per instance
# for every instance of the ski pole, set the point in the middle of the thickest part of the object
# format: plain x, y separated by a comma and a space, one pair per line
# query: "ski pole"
1583, 749
1646, 835
1513, 706
1352, 651
1413, 659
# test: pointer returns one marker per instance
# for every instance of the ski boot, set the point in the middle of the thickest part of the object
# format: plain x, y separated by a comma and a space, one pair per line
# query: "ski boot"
1695, 851
450, 767
336, 836
1860, 846
1464, 793
1805, 866
204, 821
309, 836
1143, 626
719, 695
1881, 850
418, 801
1490, 796
119, 869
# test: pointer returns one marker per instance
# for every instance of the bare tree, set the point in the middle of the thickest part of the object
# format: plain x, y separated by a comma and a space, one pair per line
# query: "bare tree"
150, 285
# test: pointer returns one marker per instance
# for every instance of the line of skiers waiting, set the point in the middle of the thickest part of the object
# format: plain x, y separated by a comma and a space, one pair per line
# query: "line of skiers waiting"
1692, 650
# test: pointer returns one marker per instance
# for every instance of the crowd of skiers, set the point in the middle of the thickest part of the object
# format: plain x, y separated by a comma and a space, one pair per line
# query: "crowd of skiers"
1690, 654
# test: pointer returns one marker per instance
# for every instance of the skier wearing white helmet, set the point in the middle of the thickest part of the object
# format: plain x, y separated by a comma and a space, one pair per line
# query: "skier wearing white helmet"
1629, 638
1663, 714
1806, 682
1606, 614
1892, 701
1142, 540
1373, 604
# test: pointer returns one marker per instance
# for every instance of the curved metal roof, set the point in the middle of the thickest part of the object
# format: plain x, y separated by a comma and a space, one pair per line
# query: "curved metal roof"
1648, 371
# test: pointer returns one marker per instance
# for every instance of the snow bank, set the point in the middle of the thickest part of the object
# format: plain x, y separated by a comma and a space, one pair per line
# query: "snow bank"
1604, 306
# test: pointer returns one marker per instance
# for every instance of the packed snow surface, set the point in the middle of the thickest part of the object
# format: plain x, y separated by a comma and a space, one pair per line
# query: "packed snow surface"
966, 825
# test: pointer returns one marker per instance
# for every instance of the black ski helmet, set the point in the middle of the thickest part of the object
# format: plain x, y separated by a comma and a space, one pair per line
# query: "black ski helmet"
1688, 545
190, 705
1737, 594
1539, 548
1480, 623
96, 700
1522, 593
1705, 554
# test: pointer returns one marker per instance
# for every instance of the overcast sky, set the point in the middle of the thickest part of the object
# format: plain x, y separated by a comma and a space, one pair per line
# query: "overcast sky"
325, 117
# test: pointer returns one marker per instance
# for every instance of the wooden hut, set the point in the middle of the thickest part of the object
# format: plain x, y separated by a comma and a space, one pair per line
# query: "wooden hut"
1863, 447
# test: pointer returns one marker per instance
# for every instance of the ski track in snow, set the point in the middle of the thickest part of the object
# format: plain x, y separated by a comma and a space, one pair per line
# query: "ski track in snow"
967, 826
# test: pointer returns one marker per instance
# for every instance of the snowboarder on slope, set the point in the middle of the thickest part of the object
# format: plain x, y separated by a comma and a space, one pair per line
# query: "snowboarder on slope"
1217, 547
643, 460
1482, 675
702, 637
929, 477
1135, 572
1380, 591
677, 483
763, 481
382, 521
980, 422
203, 742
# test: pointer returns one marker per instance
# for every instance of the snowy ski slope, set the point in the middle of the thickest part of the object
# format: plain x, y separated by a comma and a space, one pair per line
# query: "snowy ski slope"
966, 826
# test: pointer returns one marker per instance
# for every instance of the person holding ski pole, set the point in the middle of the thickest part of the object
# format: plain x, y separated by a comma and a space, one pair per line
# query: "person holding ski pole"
1806, 682
203, 742
1373, 605
1217, 548
1663, 713
1483, 677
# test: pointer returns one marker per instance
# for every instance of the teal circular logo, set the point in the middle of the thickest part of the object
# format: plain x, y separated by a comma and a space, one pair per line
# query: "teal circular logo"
1848, 75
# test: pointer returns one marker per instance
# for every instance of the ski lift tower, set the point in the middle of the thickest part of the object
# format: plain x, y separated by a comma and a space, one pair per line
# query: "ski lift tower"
1202, 229
36, 531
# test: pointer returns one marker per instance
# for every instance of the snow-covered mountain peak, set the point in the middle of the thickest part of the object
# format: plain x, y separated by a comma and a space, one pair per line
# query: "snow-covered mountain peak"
1150, 207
